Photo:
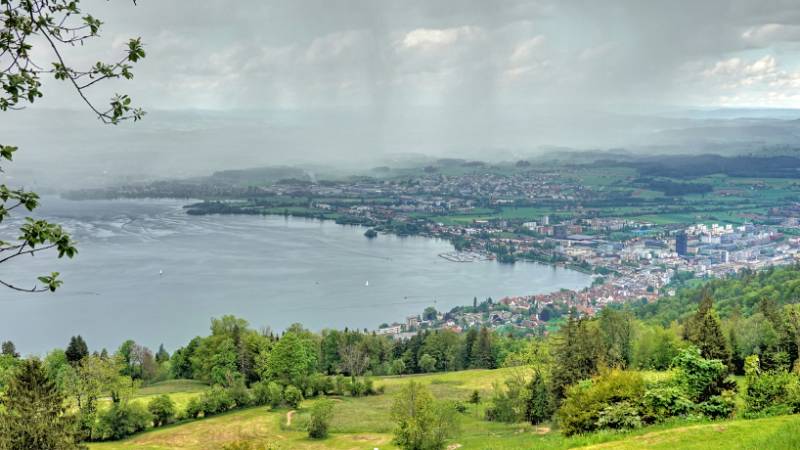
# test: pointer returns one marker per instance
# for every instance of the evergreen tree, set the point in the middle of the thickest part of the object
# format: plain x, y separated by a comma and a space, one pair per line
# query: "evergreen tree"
161, 356
616, 328
76, 350
576, 354
33, 414
705, 331
469, 342
483, 351
9, 349
537, 408
737, 363
782, 353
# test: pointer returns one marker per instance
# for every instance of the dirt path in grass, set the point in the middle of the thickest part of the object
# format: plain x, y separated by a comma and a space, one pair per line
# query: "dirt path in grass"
289, 416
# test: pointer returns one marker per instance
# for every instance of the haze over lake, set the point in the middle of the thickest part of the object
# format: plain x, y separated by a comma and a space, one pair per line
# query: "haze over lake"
272, 271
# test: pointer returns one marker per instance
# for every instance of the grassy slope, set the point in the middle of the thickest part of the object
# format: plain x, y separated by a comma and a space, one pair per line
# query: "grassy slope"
772, 433
364, 423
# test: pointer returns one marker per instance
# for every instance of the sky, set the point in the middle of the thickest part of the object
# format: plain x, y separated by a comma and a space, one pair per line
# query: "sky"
628, 54
257, 82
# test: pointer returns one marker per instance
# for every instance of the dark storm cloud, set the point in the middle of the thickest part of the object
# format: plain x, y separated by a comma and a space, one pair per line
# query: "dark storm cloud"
317, 80
307, 53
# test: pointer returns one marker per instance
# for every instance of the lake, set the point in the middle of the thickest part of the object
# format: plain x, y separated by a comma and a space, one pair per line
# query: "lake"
272, 271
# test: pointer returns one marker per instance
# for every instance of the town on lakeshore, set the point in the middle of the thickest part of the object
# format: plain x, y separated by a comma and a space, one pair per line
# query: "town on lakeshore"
641, 226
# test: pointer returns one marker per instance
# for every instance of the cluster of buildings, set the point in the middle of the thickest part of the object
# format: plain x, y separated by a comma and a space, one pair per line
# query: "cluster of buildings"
637, 269
632, 260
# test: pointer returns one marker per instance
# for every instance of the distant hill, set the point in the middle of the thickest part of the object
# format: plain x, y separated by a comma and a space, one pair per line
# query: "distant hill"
260, 176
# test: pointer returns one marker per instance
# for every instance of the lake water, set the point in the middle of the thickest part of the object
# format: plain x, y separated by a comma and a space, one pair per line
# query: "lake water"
272, 271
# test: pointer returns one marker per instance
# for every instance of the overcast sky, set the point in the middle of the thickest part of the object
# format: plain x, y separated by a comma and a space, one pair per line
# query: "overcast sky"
383, 54
305, 79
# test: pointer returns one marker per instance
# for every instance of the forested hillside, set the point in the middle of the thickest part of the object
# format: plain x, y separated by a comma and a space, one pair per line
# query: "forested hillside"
738, 295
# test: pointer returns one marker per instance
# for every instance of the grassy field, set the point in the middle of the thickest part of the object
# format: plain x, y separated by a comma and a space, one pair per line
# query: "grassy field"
364, 423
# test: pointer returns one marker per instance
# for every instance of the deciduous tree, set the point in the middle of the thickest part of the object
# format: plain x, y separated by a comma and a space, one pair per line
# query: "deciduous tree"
32, 39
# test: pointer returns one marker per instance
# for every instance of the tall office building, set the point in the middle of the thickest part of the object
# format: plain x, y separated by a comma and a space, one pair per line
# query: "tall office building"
681, 244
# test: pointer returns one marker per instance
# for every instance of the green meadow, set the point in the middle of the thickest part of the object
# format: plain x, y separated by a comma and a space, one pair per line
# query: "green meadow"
365, 423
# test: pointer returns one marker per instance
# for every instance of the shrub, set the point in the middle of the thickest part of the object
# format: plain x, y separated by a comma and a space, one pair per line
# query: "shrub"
767, 393
292, 396
620, 416
701, 378
357, 387
398, 367
321, 414
369, 387
163, 410
475, 397
274, 395
260, 393
319, 384
460, 407
422, 422
240, 395
341, 384
719, 406
508, 404
194, 408
121, 420
581, 410
661, 403
427, 363
216, 400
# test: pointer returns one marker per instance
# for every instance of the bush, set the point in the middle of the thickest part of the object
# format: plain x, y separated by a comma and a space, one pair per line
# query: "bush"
475, 397
260, 393
701, 378
216, 400
321, 414
194, 408
163, 410
274, 395
508, 404
319, 384
581, 410
369, 387
427, 363
240, 395
398, 367
719, 406
421, 421
121, 420
292, 396
620, 416
341, 385
661, 403
357, 387
768, 393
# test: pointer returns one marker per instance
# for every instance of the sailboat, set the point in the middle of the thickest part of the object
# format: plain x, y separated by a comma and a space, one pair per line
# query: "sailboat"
160, 272
366, 284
